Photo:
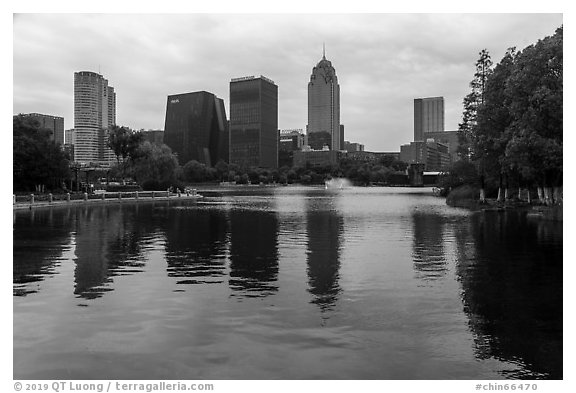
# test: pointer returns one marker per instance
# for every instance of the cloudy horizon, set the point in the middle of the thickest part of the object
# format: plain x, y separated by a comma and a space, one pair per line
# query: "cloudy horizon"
383, 62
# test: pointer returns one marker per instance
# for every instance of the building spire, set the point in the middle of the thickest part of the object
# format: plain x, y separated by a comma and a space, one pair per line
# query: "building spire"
323, 51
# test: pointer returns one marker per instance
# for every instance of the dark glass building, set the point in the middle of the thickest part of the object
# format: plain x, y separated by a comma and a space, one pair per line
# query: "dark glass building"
196, 127
254, 122
155, 137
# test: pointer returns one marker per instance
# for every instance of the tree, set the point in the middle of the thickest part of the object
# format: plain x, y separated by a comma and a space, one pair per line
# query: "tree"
154, 163
38, 162
118, 142
125, 144
513, 119
391, 162
459, 173
535, 89
233, 170
195, 172
363, 175
387, 160
254, 174
488, 138
471, 103
222, 169
379, 174
291, 176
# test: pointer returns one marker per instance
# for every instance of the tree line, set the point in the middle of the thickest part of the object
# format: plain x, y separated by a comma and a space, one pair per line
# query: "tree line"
156, 167
42, 165
511, 131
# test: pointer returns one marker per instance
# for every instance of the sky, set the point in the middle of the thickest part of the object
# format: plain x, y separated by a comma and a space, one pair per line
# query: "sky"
383, 61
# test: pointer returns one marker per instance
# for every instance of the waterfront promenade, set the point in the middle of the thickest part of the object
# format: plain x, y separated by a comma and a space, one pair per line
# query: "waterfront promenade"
42, 201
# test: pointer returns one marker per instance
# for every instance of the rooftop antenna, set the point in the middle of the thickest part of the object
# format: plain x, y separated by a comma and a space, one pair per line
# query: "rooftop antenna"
324, 51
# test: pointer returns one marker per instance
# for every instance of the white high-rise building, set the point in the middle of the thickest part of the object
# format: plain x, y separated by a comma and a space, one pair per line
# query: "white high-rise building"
324, 107
94, 114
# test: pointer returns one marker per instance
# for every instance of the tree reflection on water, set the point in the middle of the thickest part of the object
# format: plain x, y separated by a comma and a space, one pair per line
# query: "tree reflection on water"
510, 270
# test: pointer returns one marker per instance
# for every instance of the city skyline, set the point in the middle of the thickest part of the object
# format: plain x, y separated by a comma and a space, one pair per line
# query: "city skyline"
384, 62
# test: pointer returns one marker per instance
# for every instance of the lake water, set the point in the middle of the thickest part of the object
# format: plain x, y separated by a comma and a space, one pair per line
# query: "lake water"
286, 283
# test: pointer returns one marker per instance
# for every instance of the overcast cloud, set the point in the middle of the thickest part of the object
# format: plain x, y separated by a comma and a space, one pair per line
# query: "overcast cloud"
383, 62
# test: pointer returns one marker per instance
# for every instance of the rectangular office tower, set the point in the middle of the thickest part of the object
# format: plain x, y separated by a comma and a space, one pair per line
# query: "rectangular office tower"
428, 116
254, 122
196, 127
94, 114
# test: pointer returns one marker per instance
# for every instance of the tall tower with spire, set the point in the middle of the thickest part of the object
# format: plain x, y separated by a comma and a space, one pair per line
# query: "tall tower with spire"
324, 106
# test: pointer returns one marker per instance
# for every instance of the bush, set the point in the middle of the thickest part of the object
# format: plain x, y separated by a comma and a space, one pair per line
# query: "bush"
123, 188
463, 196
397, 178
151, 185
459, 173
155, 185
241, 179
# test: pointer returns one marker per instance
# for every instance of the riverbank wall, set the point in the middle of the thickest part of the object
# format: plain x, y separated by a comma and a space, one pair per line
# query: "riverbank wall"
47, 201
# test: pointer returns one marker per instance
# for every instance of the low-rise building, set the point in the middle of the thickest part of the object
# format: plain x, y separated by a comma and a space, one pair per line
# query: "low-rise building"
290, 140
394, 154
364, 156
434, 155
449, 138
353, 146
371, 156
316, 158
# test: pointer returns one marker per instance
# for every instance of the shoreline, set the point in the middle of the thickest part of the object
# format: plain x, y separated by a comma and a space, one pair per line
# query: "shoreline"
161, 195
552, 212
76, 202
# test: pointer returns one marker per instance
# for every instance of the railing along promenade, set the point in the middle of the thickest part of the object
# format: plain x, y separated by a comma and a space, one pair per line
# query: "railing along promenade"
30, 201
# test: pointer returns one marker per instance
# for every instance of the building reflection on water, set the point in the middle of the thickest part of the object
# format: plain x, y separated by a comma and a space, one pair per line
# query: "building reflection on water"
108, 243
253, 253
324, 227
47, 236
510, 270
196, 245
428, 251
